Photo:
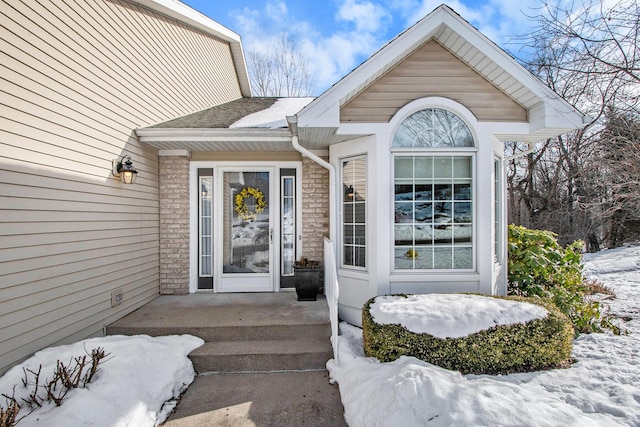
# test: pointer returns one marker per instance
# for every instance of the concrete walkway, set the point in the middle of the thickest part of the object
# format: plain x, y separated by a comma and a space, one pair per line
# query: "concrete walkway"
278, 399
262, 364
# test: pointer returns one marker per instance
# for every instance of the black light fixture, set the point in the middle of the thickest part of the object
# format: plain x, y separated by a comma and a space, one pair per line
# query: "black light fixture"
350, 193
123, 167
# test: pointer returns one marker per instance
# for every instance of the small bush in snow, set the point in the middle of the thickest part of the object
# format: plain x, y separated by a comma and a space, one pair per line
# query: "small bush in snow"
535, 345
79, 372
540, 267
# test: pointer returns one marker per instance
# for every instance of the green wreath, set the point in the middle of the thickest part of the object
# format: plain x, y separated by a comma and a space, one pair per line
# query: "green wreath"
241, 207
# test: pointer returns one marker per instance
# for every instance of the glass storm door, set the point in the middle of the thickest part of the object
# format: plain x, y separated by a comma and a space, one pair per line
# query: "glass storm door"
245, 224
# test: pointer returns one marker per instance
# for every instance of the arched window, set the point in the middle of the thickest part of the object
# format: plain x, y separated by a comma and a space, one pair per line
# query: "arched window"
432, 128
433, 192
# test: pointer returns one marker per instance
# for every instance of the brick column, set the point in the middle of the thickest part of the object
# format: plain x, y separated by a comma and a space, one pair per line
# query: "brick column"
174, 225
315, 209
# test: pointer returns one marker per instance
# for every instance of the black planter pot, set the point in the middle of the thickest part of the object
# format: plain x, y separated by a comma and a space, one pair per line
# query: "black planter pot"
307, 281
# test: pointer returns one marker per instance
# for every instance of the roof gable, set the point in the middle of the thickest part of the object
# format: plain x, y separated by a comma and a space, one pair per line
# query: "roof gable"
547, 113
431, 70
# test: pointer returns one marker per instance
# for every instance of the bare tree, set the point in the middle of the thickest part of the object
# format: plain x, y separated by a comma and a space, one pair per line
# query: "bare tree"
618, 165
589, 55
284, 71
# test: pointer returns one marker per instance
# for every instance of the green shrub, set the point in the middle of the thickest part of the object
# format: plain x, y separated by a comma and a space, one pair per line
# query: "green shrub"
536, 345
539, 266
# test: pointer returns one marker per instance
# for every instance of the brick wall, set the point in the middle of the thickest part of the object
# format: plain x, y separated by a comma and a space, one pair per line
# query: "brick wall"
174, 225
315, 209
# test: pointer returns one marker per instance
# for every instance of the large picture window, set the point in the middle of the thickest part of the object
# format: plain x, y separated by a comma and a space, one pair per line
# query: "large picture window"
354, 208
433, 193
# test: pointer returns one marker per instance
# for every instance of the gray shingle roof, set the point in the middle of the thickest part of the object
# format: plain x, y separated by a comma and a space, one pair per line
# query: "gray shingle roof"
220, 116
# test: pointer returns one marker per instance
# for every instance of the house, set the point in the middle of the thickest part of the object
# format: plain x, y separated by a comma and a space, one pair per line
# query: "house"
400, 164
77, 78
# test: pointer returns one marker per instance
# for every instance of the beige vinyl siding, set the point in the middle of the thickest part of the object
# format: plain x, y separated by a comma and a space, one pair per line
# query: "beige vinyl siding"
431, 71
76, 78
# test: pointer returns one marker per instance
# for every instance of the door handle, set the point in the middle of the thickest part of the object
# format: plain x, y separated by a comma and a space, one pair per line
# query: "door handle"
271, 235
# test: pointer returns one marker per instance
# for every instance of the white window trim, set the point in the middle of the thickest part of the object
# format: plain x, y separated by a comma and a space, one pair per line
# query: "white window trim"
474, 184
469, 119
340, 254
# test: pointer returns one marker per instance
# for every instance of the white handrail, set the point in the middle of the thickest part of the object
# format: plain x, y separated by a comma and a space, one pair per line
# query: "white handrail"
332, 291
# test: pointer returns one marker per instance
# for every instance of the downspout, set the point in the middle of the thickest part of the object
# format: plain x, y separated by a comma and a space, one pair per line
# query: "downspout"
293, 126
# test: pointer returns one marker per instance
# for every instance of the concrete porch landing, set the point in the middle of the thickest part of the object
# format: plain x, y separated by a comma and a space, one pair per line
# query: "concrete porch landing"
225, 317
263, 362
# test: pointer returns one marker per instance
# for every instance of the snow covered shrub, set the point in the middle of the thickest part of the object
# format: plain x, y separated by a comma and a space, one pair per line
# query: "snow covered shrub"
540, 267
538, 344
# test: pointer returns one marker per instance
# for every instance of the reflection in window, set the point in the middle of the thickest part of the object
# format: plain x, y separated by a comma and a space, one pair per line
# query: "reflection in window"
288, 210
354, 186
497, 210
432, 128
433, 212
206, 215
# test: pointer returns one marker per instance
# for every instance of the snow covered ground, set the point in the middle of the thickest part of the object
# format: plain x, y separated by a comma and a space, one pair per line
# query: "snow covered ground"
135, 381
601, 389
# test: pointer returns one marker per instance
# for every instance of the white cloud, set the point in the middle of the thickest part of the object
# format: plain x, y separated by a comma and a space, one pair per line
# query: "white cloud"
366, 16
361, 27
358, 32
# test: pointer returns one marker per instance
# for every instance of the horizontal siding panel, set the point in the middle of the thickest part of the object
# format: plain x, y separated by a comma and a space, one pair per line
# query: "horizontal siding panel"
87, 274
76, 79
77, 253
16, 323
30, 174
13, 232
89, 327
432, 71
74, 66
29, 275
42, 304
78, 87
33, 247
41, 98
51, 237
59, 320
65, 207
55, 189
43, 216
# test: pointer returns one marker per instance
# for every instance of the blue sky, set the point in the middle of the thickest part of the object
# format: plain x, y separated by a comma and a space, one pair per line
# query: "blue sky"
337, 35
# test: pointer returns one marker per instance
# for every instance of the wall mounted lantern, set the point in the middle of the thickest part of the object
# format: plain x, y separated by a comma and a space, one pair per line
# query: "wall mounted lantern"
349, 192
123, 167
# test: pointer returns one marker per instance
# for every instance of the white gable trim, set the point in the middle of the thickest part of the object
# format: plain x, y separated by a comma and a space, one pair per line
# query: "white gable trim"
553, 113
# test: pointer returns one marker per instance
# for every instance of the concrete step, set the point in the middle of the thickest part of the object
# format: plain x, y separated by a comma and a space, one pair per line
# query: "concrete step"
247, 332
261, 355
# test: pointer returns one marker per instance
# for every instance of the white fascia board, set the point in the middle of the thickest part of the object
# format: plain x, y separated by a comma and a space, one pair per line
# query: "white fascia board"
329, 117
552, 115
183, 13
150, 135
362, 128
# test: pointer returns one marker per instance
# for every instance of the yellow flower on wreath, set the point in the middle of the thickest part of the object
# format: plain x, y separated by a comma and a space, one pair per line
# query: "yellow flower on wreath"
241, 207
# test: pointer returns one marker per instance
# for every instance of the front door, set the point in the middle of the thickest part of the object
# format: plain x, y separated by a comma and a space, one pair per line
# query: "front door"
245, 235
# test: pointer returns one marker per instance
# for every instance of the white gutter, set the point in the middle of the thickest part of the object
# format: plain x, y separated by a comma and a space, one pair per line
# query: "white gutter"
293, 125
531, 149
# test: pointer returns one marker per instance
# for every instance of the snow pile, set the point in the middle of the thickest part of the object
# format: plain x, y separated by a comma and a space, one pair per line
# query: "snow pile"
275, 116
140, 374
449, 315
601, 389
